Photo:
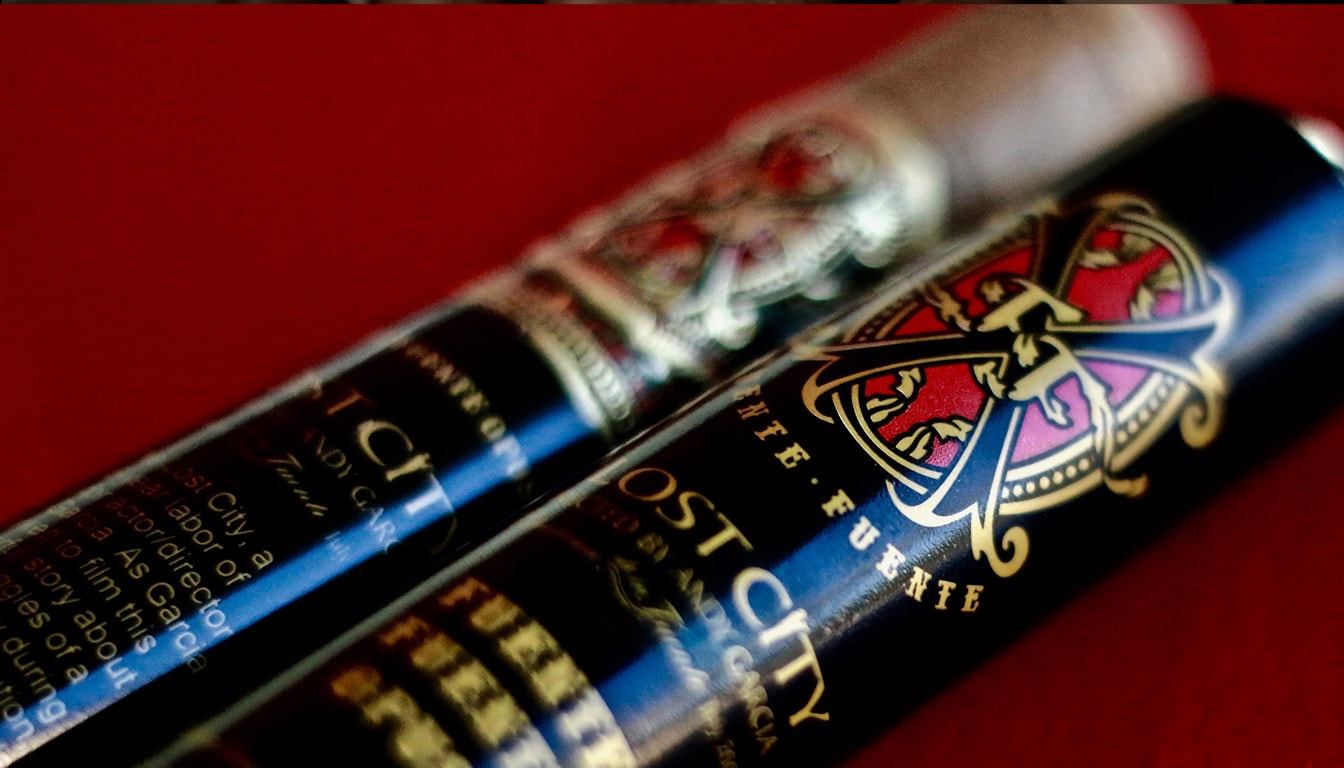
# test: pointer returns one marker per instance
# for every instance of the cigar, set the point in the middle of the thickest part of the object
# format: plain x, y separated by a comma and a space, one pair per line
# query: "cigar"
850, 522
176, 583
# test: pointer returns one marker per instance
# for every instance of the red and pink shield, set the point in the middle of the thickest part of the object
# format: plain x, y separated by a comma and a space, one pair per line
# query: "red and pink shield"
1036, 371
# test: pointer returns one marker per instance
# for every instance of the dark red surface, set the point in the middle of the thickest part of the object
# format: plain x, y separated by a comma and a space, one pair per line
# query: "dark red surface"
196, 203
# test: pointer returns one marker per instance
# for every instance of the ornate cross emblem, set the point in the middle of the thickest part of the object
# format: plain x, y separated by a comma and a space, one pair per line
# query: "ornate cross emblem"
1033, 374
768, 218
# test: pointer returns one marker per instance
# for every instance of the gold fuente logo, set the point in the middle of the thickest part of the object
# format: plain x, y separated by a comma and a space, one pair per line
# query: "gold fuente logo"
1034, 373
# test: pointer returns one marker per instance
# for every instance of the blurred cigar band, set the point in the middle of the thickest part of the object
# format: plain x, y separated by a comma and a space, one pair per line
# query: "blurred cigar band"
857, 172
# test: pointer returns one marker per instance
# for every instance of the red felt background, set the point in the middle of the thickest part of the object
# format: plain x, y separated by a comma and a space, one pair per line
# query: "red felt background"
195, 203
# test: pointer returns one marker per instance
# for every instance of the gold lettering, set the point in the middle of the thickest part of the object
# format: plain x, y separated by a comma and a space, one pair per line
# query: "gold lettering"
838, 504
492, 712
495, 614
793, 455
356, 684
753, 410
795, 625
774, 428
415, 463
918, 582
687, 517
464, 591
944, 591
972, 598
666, 491
415, 738
530, 645
437, 653
391, 705
354, 397
559, 681
727, 534
423, 742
